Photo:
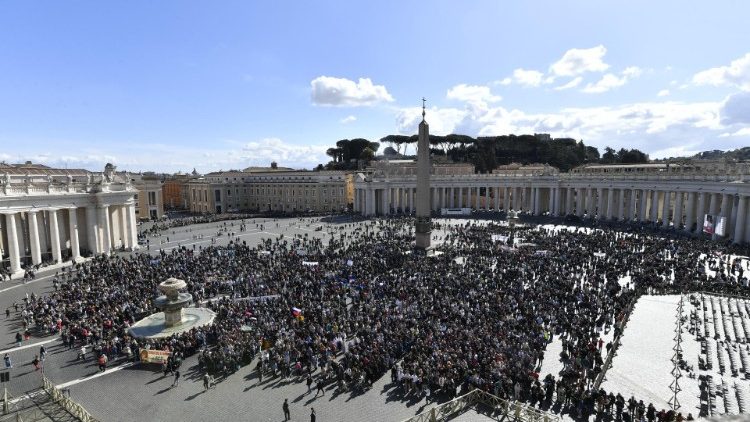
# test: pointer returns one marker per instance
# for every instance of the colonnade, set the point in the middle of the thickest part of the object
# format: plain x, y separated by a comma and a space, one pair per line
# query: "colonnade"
671, 205
55, 234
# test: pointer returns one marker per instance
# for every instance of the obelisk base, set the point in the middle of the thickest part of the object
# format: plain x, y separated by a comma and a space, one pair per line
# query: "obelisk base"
423, 232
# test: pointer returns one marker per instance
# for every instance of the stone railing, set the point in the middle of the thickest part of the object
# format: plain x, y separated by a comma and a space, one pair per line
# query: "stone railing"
18, 189
509, 409
563, 177
74, 408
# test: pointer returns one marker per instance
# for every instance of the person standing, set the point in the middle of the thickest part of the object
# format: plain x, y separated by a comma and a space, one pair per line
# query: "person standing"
102, 362
312, 414
36, 362
285, 407
206, 382
176, 378
309, 383
321, 388
8, 363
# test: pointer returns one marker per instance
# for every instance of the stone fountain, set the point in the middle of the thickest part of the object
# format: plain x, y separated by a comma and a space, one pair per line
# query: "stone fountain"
173, 302
176, 316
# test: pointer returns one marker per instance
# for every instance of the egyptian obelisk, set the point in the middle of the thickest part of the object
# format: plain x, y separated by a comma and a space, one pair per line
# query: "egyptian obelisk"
423, 225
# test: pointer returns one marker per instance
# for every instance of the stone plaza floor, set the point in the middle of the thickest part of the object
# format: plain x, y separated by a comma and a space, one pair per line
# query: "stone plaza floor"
127, 392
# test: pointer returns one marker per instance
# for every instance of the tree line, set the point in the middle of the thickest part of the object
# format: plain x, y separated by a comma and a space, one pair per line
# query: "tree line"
484, 152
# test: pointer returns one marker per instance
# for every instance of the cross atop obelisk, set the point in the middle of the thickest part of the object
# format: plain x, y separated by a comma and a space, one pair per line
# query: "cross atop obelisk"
424, 101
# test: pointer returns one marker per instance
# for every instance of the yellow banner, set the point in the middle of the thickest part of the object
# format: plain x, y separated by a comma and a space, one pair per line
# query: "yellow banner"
154, 356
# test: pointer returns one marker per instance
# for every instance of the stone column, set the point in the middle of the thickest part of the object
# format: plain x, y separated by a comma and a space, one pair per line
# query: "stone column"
642, 211
654, 206
133, 226
92, 224
537, 201
75, 248
36, 254
610, 203
372, 203
632, 204
460, 197
677, 215
569, 197
739, 225
579, 202
733, 215
122, 210
665, 209
104, 233
690, 211
701, 213
599, 203
12, 229
621, 205
714, 205
54, 230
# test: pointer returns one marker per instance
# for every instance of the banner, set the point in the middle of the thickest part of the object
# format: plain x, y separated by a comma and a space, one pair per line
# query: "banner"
708, 224
720, 225
154, 356
500, 238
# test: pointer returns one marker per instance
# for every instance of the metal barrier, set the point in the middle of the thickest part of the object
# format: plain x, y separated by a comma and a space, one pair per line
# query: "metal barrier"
508, 409
74, 408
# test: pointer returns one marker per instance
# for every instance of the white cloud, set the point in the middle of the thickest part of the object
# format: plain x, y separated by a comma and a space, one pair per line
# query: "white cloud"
668, 125
736, 109
745, 131
442, 121
577, 61
348, 119
611, 81
524, 77
737, 74
572, 84
474, 94
663, 93
330, 91
264, 151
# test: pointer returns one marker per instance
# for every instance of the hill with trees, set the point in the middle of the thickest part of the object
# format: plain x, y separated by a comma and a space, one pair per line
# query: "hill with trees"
484, 152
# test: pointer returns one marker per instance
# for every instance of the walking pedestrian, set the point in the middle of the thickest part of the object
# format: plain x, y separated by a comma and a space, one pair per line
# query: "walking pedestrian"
312, 414
36, 362
176, 378
206, 382
8, 363
285, 407
321, 388
309, 383
102, 362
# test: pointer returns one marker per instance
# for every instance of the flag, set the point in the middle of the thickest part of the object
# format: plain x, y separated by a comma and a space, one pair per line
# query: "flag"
296, 311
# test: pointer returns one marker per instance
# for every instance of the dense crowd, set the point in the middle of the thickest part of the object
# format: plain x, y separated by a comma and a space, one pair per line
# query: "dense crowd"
478, 313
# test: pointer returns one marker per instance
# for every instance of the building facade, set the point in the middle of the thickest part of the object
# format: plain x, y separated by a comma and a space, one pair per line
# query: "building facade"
174, 192
271, 189
149, 203
55, 215
672, 195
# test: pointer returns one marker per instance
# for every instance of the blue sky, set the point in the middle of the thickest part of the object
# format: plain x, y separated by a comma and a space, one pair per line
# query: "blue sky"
169, 86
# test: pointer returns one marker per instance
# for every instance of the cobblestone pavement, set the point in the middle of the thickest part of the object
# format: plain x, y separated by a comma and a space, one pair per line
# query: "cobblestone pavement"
138, 393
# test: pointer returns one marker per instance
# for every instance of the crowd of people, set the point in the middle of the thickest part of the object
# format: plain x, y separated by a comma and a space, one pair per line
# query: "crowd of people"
478, 313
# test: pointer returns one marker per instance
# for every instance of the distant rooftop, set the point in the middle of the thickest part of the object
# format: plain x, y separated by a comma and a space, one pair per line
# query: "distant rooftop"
32, 168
